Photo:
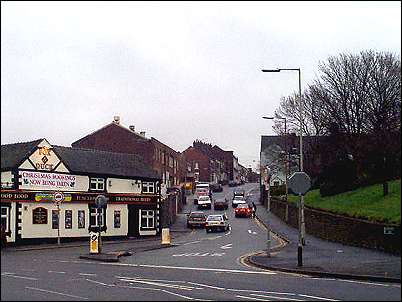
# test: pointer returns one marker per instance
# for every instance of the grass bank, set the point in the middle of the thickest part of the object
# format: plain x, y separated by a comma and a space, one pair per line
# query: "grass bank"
366, 202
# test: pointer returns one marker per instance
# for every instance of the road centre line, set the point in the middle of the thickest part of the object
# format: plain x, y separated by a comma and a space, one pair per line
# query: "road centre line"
19, 277
84, 274
188, 268
160, 284
293, 299
56, 272
53, 292
198, 241
248, 298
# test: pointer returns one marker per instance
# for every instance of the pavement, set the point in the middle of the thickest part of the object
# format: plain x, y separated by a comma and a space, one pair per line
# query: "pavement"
323, 258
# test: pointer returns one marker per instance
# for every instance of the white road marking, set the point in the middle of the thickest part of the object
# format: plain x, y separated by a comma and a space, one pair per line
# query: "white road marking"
188, 268
227, 246
198, 255
293, 299
18, 277
228, 233
249, 231
209, 286
192, 242
159, 284
56, 272
319, 298
84, 274
185, 297
7, 273
52, 292
248, 298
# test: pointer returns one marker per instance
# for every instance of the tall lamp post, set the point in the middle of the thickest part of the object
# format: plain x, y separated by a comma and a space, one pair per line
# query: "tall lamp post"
301, 204
286, 151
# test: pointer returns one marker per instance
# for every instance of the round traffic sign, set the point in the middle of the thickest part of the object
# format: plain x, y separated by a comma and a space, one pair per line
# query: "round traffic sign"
299, 183
58, 196
100, 201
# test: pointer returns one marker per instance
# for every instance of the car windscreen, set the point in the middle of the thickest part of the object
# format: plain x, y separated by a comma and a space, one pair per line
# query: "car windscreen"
197, 215
238, 197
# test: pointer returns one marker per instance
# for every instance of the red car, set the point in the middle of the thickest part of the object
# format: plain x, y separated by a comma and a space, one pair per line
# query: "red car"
243, 210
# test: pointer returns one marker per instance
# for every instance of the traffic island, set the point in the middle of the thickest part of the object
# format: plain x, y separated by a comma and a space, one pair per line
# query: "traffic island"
112, 257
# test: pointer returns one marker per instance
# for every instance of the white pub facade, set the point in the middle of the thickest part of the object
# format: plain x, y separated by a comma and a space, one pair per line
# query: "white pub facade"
33, 172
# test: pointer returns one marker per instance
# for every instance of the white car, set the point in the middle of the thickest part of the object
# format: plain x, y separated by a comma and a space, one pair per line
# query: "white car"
217, 222
204, 202
238, 200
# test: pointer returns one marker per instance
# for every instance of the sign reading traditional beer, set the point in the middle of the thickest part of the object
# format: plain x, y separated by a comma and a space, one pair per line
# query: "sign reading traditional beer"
39, 216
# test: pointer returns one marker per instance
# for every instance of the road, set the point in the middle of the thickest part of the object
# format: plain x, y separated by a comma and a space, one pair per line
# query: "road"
204, 266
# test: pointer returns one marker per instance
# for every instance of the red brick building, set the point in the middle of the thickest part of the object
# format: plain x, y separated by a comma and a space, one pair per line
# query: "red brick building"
199, 163
116, 138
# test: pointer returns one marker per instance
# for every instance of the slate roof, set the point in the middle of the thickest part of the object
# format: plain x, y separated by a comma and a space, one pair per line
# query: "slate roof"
80, 160
13, 154
104, 162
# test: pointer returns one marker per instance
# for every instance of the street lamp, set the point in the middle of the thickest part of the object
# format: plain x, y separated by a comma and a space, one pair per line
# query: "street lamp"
301, 205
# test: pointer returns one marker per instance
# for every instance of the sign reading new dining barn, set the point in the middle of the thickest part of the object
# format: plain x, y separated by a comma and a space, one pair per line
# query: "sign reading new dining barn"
32, 180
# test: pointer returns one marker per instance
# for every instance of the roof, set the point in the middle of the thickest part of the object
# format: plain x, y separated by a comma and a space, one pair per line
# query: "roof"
104, 162
80, 160
13, 154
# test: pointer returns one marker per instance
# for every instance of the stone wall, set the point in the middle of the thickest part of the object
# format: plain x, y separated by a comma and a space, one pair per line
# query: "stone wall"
343, 229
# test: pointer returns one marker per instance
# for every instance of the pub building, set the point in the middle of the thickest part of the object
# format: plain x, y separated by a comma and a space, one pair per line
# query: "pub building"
34, 173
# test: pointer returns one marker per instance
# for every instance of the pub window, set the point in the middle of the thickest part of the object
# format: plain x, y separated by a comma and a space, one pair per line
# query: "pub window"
68, 219
97, 184
5, 218
117, 220
39, 216
148, 187
81, 219
147, 219
95, 219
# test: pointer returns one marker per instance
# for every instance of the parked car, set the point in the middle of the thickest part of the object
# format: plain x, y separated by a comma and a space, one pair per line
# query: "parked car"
243, 210
238, 193
216, 188
196, 219
216, 223
199, 193
221, 204
204, 202
232, 184
238, 200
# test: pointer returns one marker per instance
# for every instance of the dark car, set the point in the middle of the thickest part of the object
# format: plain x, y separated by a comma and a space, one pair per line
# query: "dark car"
232, 184
221, 204
196, 219
216, 188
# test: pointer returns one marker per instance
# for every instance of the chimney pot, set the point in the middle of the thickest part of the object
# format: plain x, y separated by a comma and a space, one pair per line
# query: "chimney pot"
132, 128
116, 119
142, 133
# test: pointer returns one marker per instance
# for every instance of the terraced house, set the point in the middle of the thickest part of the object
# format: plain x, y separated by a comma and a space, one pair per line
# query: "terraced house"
32, 173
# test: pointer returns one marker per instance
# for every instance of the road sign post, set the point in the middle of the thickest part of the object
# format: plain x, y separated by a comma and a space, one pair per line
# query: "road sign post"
300, 183
57, 198
100, 202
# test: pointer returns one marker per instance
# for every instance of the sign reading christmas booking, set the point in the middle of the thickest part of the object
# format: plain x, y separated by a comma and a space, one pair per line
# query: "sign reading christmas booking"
32, 180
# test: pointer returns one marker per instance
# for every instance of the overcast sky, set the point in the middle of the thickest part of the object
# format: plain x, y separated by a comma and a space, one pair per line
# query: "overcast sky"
179, 71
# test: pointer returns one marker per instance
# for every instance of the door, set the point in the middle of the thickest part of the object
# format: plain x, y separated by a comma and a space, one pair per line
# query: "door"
133, 221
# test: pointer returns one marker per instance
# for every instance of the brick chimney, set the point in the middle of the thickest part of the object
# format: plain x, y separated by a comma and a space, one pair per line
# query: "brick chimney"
116, 119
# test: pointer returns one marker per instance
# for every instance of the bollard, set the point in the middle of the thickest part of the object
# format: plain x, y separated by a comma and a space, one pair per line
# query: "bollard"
165, 236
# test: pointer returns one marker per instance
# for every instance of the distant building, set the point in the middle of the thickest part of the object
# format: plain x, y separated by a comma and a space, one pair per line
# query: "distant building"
116, 138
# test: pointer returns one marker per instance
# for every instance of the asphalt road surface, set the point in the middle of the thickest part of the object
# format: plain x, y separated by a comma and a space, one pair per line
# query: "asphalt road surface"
205, 266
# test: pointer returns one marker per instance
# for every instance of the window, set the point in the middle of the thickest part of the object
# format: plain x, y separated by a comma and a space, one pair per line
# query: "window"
171, 161
97, 184
5, 216
147, 219
117, 219
95, 219
81, 219
55, 219
148, 187
68, 219
195, 166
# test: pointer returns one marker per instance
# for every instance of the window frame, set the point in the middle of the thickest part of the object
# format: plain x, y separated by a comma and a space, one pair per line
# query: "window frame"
147, 217
97, 181
148, 185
